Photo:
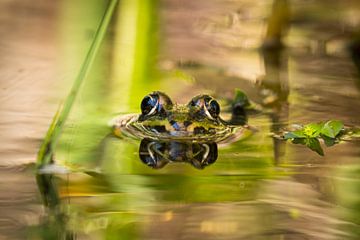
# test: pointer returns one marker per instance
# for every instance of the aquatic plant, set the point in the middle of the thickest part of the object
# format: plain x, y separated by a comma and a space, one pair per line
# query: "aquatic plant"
310, 134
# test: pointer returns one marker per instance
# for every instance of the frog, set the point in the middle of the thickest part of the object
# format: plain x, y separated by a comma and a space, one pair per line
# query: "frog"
197, 121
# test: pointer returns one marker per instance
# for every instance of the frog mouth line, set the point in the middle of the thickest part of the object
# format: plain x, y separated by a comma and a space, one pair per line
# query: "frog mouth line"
131, 127
137, 129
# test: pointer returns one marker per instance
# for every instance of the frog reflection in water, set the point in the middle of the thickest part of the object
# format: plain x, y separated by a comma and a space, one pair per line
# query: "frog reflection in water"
173, 132
157, 154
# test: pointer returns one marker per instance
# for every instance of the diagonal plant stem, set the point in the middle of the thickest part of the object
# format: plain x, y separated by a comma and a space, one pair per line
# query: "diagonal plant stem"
46, 150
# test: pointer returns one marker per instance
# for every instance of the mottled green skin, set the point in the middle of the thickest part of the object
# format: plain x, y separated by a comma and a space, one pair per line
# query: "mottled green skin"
180, 123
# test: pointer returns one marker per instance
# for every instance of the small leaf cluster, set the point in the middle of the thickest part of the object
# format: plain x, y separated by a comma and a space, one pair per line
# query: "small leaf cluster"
310, 134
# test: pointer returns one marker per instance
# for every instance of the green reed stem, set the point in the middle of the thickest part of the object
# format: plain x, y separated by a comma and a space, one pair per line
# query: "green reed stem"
46, 150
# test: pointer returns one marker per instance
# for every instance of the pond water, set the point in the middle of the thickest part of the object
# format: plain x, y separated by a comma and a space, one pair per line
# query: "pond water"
259, 187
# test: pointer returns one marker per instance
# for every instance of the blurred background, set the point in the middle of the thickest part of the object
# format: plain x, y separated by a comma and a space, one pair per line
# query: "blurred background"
298, 60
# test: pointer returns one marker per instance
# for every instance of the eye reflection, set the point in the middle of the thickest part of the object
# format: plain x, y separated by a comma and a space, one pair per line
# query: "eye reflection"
157, 154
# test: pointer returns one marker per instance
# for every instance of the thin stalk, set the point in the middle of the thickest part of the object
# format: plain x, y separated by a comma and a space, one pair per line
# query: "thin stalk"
56, 127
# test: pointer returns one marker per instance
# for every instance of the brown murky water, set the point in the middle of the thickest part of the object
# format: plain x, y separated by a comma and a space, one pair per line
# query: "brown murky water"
259, 188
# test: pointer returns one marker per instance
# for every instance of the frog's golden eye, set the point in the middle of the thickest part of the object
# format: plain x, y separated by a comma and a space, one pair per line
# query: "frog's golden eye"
205, 105
154, 103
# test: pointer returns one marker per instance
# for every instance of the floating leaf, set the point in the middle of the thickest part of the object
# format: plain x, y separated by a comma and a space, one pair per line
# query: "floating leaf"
294, 134
314, 144
328, 132
329, 141
309, 135
241, 98
299, 141
332, 128
336, 125
313, 129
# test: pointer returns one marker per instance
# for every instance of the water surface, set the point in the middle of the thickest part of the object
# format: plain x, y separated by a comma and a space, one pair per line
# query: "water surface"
259, 188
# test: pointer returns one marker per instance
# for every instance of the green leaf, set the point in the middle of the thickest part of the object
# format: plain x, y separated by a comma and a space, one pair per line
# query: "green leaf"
313, 129
299, 141
241, 98
314, 144
332, 128
336, 125
329, 141
294, 134
328, 132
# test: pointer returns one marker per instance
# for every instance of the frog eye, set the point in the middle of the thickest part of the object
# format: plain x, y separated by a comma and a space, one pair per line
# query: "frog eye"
206, 105
154, 103
214, 108
149, 105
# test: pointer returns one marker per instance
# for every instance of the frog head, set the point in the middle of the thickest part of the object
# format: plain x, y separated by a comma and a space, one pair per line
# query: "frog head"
199, 117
